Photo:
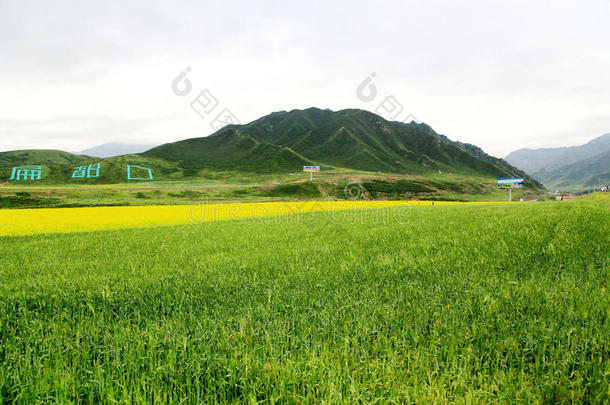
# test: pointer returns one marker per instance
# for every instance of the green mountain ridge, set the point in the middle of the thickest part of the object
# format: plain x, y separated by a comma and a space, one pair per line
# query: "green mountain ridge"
283, 142
228, 150
351, 139
476, 152
43, 157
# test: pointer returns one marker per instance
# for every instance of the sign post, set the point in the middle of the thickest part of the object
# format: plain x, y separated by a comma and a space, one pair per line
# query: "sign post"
311, 169
510, 183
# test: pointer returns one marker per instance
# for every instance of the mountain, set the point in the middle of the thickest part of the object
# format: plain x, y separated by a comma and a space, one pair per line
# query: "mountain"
43, 157
475, 151
282, 143
115, 149
548, 159
585, 173
573, 167
229, 149
352, 139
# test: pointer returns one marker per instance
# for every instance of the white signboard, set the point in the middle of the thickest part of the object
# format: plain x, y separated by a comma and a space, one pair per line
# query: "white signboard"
509, 182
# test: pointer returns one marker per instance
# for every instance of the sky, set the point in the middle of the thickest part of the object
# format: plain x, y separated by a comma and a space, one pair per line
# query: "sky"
502, 75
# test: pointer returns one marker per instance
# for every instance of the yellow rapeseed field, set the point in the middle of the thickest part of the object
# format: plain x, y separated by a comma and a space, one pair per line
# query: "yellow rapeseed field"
62, 220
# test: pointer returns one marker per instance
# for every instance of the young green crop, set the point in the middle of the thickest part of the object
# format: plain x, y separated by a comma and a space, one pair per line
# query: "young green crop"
471, 304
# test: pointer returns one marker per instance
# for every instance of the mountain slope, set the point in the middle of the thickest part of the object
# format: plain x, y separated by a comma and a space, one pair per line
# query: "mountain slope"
362, 140
42, 157
548, 159
112, 170
478, 153
582, 174
353, 139
112, 149
282, 143
229, 149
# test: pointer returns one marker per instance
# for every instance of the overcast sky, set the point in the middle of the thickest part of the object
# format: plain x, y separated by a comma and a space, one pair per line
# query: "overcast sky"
500, 74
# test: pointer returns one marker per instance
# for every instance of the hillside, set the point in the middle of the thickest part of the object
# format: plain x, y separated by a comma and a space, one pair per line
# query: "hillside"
229, 149
585, 173
113, 170
549, 159
351, 139
574, 167
282, 143
44, 157
476, 152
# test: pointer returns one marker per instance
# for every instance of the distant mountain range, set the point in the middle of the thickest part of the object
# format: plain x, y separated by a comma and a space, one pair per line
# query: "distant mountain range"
115, 149
284, 142
572, 167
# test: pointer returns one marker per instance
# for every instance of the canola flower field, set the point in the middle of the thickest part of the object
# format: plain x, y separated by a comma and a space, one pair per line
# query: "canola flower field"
52, 220
473, 303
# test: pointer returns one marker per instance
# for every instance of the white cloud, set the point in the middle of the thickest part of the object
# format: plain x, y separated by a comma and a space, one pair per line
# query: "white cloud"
499, 74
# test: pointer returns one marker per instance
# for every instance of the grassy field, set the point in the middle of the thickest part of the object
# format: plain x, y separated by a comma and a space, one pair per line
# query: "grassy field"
428, 304
362, 186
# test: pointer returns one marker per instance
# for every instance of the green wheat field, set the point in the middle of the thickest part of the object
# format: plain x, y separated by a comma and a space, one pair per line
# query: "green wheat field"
429, 304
